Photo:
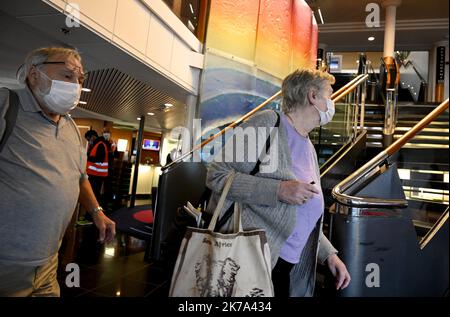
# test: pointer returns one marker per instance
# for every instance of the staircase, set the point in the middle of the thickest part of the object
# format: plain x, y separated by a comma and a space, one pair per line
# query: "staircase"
423, 162
434, 136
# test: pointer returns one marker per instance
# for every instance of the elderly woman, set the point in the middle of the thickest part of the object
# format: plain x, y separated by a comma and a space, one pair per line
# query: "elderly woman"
287, 201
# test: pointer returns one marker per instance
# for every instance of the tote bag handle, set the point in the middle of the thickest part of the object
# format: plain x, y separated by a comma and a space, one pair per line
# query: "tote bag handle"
219, 206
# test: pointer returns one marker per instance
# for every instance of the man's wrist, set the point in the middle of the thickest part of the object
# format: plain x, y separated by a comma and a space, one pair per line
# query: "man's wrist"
96, 210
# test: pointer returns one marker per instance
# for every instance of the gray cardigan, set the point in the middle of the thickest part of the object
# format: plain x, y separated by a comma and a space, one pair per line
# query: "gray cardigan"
259, 197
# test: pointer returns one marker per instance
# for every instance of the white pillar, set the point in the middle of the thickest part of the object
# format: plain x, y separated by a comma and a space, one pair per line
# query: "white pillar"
191, 112
389, 26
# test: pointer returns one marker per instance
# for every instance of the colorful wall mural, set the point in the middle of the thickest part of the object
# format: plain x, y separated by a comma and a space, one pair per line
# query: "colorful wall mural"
250, 47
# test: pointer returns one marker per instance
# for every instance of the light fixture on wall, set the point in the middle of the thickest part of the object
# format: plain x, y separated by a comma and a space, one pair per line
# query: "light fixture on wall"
122, 145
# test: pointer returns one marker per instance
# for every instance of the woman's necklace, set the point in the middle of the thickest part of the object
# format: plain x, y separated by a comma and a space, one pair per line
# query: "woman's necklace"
293, 125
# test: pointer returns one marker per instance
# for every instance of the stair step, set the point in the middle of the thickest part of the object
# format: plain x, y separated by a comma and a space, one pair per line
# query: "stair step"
420, 166
418, 183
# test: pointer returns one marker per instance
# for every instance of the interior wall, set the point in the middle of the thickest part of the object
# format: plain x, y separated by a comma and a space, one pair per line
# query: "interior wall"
150, 157
349, 60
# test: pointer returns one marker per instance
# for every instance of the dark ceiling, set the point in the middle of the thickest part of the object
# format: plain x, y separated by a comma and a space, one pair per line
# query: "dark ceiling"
420, 24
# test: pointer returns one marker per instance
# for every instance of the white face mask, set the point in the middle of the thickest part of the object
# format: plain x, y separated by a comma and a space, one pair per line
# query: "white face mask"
62, 97
326, 116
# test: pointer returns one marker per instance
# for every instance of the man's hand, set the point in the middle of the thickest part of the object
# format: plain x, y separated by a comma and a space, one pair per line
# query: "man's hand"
339, 271
295, 192
106, 226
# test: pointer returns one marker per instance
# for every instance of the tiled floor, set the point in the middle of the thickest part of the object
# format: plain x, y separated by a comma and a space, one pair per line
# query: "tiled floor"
114, 270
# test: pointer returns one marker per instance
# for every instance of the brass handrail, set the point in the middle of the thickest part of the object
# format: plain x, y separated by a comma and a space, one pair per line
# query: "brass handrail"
347, 88
434, 230
230, 126
394, 147
366, 171
350, 83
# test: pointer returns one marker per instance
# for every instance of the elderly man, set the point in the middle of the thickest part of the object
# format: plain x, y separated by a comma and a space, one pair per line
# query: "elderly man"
42, 172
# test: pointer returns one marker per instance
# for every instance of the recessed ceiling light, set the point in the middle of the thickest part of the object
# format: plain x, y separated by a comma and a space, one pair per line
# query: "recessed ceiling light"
150, 113
139, 119
82, 102
371, 38
168, 105
85, 89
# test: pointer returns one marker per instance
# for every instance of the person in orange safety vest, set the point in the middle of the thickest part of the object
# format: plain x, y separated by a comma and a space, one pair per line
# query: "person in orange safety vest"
97, 162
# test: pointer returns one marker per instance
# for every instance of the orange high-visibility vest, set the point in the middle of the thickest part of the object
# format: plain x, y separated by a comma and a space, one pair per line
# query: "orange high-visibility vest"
98, 168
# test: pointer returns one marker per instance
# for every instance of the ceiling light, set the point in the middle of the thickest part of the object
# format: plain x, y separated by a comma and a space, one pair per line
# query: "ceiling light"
82, 102
85, 89
168, 105
320, 15
371, 38
139, 119
150, 113
192, 9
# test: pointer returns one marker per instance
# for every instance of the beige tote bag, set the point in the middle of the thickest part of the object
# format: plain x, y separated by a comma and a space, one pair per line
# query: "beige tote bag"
213, 264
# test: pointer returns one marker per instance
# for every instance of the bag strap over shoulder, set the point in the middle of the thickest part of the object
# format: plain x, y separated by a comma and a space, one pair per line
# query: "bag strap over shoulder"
10, 116
255, 170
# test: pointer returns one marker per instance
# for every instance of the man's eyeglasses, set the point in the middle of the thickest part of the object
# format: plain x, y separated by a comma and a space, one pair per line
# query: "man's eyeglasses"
72, 72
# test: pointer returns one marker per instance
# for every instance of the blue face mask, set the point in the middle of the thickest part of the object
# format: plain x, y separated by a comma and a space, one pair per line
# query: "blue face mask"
326, 116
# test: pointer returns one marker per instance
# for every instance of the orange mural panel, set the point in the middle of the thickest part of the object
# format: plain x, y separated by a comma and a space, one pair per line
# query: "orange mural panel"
232, 27
301, 34
314, 42
273, 49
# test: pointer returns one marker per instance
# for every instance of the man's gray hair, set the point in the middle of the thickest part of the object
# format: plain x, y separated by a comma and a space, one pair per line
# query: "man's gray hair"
42, 55
296, 85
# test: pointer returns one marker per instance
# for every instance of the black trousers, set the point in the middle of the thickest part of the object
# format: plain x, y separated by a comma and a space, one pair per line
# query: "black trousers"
281, 278
96, 184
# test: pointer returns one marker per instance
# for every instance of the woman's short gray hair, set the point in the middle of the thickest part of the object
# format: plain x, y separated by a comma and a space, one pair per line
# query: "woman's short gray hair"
41, 55
296, 85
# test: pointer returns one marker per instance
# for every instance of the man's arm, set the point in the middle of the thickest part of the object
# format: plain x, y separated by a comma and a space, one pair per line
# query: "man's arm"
87, 199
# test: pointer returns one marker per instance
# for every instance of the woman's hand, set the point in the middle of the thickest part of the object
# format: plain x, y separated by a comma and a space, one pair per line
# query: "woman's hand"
339, 271
295, 192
